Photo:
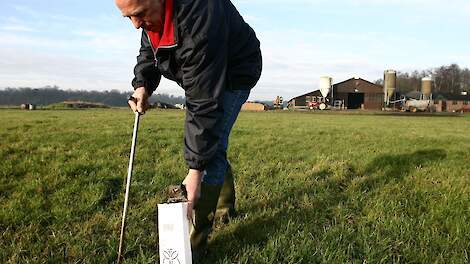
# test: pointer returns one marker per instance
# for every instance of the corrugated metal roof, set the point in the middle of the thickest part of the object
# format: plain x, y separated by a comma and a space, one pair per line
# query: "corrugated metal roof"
314, 93
318, 93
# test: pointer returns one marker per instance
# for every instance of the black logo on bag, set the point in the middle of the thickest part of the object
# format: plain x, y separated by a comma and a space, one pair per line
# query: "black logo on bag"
170, 256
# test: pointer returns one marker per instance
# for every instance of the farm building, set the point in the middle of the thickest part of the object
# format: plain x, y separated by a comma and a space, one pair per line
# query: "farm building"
451, 102
357, 93
163, 105
77, 105
300, 102
253, 106
354, 93
28, 106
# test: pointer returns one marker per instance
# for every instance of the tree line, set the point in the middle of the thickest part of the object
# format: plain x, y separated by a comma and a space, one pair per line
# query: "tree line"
53, 94
450, 79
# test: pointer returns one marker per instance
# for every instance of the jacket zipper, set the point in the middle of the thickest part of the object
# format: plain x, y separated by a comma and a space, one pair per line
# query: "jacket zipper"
153, 50
156, 50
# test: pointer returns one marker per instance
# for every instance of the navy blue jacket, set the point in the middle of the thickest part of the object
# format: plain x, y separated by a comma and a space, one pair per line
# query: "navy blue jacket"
213, 49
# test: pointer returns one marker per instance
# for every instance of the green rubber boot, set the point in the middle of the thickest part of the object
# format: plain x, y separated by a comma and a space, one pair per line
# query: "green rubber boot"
226, 204
203, 219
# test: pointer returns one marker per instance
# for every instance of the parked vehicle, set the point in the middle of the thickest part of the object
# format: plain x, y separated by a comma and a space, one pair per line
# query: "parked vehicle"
414, 105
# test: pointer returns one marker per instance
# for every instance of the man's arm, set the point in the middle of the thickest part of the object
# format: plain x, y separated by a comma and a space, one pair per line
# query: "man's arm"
147, 77
204, 80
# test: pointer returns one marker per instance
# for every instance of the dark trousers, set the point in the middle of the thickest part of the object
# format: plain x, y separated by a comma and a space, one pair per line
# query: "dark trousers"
232, 103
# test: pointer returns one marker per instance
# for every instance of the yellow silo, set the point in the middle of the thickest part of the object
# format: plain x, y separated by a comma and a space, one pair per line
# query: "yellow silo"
390, 84
426, 87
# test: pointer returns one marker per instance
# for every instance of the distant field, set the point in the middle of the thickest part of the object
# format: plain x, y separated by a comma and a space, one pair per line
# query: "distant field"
312, 188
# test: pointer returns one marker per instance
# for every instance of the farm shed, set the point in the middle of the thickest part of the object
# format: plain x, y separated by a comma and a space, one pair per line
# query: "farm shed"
357, 93
354, 93
163, 105
301, 101
81, 104
451, 103
253, 106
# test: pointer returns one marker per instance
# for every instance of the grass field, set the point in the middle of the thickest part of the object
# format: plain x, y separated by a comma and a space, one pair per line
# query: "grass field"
312, 188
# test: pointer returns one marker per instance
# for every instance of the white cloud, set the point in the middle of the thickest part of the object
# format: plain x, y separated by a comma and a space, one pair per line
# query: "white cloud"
295, 69
26, 10
92, 55
17, 28
20, 68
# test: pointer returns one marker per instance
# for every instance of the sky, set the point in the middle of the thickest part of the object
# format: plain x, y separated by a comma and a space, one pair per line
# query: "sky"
88, 45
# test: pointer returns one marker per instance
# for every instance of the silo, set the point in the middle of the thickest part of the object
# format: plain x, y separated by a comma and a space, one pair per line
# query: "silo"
325, 85
390, 84
426, 87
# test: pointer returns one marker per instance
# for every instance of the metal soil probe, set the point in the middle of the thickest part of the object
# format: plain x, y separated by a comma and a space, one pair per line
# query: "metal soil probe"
128, 185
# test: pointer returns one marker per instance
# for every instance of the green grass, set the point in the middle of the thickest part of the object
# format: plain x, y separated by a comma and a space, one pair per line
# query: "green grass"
312, 188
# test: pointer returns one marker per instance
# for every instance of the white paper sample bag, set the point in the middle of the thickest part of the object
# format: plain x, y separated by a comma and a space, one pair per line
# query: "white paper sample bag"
173, 234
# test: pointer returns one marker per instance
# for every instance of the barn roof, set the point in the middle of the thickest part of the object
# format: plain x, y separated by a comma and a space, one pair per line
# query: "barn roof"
313, 93
356, 79
318, 93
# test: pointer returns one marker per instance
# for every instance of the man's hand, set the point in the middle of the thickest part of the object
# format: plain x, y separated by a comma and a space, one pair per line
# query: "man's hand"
193, 188
140, 103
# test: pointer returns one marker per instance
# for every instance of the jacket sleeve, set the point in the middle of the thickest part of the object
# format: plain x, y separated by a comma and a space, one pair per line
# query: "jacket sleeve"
204, 80
146, 72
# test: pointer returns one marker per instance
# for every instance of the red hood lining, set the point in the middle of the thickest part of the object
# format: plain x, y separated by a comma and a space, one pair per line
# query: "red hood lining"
167, 38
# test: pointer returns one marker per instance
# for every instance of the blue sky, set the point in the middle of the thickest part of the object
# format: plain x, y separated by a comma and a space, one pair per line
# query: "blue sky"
88, 45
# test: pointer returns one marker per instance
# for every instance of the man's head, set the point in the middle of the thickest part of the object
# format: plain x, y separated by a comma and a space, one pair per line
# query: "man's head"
146, 14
